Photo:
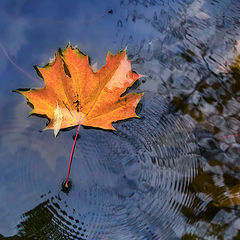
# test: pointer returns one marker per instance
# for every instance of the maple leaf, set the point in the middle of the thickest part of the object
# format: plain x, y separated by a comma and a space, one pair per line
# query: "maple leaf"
76, 95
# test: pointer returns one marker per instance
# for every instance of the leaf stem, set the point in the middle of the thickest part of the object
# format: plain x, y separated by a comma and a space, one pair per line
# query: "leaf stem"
71, 156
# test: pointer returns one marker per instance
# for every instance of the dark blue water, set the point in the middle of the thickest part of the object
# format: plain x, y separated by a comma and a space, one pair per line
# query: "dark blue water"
158, 177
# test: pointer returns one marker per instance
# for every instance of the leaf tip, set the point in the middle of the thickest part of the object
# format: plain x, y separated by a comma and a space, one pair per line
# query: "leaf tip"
31, 112
141, 75
136, 116
113, 128
21, 90
68, 48
109, 54
56, 131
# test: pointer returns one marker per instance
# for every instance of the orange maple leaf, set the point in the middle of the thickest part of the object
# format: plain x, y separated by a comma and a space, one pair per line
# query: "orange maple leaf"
76, 95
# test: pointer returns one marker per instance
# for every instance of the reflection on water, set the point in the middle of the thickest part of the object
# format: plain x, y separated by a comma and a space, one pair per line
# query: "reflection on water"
145, 181
214, 104
122, 181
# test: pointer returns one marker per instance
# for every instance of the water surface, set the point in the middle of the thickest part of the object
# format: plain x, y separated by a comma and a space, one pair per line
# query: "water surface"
158, 177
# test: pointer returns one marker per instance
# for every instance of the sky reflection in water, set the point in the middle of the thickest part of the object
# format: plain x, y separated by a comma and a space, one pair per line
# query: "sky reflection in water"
124, 190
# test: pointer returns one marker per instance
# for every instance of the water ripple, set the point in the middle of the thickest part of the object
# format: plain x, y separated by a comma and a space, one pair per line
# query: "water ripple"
128, 184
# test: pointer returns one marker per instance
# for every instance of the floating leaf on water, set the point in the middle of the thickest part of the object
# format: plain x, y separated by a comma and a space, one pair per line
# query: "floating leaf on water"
83, 96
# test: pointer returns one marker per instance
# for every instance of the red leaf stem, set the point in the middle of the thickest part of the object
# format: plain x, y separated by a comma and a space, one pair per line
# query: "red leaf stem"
71, 156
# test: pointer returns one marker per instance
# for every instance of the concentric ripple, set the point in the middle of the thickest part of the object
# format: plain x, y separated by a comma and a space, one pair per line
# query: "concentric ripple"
128, 184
